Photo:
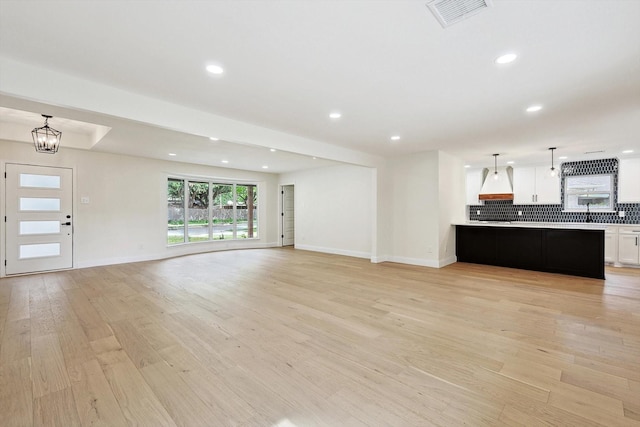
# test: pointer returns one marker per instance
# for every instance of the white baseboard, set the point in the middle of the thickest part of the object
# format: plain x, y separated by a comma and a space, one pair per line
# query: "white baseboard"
447, 261
421, 261
414, 261
174, 251
117, 260
379, 259
356, 254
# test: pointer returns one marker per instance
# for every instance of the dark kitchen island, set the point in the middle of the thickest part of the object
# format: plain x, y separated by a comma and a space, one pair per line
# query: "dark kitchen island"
573, 249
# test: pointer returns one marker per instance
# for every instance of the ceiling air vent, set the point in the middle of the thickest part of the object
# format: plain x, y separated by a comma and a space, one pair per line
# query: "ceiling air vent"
448, 12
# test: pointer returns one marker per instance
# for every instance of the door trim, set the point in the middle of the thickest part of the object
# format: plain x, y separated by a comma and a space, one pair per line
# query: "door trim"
281, 214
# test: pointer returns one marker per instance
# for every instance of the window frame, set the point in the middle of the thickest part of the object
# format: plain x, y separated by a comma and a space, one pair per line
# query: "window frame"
233, 183
610, 191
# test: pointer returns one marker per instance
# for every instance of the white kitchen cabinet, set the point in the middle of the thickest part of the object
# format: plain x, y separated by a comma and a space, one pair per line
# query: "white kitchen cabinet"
534, 185
629, 245
474, 185
628, 179
524, 186
611, 245
547, 187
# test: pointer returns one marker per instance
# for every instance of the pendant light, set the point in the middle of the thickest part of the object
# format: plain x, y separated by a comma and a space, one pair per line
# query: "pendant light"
553, 172
495, 166
45, 138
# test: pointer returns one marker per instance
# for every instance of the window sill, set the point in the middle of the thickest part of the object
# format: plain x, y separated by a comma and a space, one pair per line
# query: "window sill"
252, 239
593, 211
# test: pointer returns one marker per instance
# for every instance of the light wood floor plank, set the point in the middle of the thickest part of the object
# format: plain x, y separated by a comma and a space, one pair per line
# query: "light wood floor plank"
16, 397
19, 301
135, 344
16, 340
48, 366
56, 409
139, 405
40, 312
94, 326
291, 338
94, 400
181, 402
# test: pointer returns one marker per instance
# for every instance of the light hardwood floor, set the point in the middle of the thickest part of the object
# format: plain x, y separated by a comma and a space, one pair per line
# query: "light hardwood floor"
293, 338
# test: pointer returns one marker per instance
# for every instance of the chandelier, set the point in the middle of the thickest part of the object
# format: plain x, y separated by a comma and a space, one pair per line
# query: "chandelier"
45, 138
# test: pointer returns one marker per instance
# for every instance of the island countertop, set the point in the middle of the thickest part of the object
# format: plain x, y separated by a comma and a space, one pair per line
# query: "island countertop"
526, 224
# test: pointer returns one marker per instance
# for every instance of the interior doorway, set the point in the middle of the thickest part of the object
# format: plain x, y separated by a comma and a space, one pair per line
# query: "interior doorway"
39, 231
288, 215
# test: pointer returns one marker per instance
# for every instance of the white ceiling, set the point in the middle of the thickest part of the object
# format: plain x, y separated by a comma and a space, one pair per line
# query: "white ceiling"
387, 66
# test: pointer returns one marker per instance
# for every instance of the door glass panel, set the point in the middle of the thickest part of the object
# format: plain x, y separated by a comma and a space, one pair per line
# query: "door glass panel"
39, 250
39, 204
39, 181
198, 211
39, 227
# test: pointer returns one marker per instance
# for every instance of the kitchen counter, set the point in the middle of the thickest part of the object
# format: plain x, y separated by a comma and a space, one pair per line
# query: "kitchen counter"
566, 248
524, 224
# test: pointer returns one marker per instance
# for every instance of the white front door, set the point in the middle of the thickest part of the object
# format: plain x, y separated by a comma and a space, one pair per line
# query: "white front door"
288, 218
39, 202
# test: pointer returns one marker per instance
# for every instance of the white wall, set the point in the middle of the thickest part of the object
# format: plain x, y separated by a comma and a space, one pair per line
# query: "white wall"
334, 209
427, 194
452, 204
381, 247
414, 221
126, 218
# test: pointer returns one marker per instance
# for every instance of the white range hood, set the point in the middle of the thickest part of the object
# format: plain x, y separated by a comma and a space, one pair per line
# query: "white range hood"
497, 186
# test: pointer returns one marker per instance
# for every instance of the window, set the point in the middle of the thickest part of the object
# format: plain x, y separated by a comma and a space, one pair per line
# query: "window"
222, 211
247, 214
592, 192
198, 225
208, 210
175, 204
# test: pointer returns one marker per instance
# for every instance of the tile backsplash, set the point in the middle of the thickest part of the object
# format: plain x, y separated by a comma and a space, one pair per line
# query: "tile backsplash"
505, 210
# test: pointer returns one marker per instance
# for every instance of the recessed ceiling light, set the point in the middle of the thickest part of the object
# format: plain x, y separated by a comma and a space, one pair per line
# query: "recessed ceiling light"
534, 108
265, 167
395, 138
213, 138
273, 150
506, 58
215, 69
314, 158
335, 115
225, 161
510, 162
467, 166
563, 157
172, 154
627, 151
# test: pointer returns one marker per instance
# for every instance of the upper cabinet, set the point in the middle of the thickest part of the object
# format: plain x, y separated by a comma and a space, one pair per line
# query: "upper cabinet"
628, 181
547, 187
474, 184
524, 186
534, 185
